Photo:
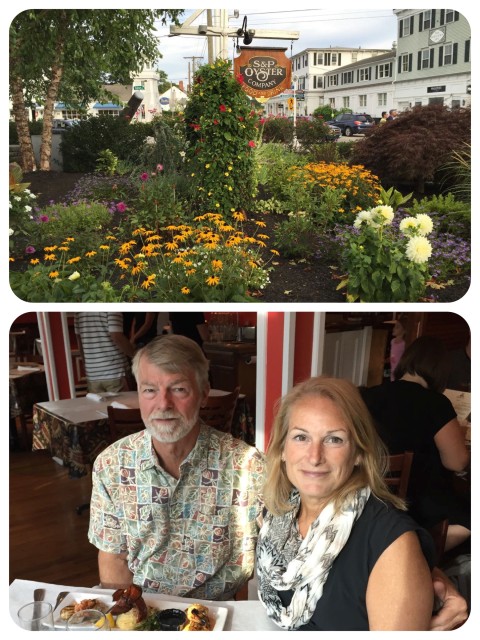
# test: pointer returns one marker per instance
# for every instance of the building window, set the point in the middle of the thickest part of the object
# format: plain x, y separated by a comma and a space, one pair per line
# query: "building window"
354, 56
109, 112
317, 82
418, 104
405, 27
68, 114
404, 62
332, 102
384, 70
319, 58
347, 77
427, 19
363, 100
334, 58
425, 59
346, 102
449, 15
382, 99
364, 74
448, 54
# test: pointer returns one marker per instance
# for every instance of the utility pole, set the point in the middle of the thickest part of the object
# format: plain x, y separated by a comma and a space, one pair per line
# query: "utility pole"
192, 58
221, 31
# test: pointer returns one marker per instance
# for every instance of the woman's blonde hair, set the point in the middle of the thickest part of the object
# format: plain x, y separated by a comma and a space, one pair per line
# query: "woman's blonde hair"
371, 451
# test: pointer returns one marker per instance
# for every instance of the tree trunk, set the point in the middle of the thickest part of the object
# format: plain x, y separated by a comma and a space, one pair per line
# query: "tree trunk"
46, 146
20, 114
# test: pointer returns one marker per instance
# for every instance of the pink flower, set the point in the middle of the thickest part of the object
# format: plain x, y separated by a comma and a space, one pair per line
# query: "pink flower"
30, 249
121, 207
262, 120
159, 167
44, 218
251, 144
144, 176
222, 107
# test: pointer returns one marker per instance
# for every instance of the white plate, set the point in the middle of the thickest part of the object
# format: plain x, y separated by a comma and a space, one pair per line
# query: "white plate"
218, 615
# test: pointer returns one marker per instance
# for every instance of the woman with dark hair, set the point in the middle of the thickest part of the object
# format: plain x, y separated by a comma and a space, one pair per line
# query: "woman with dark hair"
336, 550
412, 414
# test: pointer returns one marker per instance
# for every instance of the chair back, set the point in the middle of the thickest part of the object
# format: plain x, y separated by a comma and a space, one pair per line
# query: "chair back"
439, 534
398, 474
218, 410
123, 422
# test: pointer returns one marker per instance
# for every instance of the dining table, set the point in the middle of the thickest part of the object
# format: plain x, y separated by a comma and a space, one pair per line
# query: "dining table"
241, 615
76, 430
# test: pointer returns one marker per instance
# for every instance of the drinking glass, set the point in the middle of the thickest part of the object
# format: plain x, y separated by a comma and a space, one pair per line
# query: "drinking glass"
88, 620
36, 616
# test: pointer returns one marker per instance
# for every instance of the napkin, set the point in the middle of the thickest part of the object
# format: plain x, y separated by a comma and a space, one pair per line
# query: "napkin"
119, 405
94, 396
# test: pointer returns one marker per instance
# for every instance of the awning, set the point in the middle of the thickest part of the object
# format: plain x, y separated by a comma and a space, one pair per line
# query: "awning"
106, 105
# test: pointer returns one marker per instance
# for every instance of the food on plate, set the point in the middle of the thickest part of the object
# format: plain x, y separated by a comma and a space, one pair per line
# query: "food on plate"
67, 612
127, 621
88, 603
130, 599
198, 618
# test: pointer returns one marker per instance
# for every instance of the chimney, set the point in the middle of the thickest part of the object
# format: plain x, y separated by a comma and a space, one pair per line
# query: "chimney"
180, 85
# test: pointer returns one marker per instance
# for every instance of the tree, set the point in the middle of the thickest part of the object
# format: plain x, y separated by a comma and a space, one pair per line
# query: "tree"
164, 83
68, 54
410, 149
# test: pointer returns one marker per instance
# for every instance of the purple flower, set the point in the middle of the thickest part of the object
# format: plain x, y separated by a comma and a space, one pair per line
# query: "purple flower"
30, 249
121, 207
144, 176
44, 218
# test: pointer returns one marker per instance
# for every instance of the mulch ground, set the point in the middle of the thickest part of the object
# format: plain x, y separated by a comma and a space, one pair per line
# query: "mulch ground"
314, 280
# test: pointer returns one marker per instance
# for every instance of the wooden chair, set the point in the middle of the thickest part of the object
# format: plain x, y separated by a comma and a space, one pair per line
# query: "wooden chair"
219, 410
123, 422
398, 474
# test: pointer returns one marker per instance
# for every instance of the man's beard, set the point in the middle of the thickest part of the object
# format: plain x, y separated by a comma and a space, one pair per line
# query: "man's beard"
169, 433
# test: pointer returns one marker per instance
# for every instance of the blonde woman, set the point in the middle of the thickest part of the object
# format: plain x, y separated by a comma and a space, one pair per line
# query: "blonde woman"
336, 550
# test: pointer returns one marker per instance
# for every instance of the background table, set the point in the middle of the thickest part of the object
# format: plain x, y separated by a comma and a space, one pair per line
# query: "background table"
76, 430
27, 385
243, 615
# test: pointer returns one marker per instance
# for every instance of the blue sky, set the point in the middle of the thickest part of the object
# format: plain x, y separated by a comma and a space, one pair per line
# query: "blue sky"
354, 27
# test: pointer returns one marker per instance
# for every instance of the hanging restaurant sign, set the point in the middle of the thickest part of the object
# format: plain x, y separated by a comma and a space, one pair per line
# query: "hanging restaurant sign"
264, 72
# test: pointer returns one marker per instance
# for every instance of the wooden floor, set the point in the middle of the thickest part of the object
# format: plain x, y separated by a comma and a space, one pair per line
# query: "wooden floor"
48, 539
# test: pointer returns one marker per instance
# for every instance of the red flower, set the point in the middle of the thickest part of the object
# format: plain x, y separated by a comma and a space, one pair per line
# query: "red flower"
239, 78
121, 207
144, 176
222, 107
215, 122
251, 144
262, 120
241, 118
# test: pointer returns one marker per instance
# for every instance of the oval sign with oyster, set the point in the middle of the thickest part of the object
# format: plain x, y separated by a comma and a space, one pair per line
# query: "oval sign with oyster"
264, 73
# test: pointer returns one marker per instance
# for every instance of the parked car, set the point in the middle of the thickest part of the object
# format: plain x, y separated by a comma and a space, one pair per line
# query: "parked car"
352, 123
60, 125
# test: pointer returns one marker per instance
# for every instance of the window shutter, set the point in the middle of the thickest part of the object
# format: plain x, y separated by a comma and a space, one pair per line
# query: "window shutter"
400, 64
412, 25
432, 58
442, 17
339, 59
467, 51
410, 60
420, 21
456, 16
432, 25
419, 61
401, 29
455, 53
440, 56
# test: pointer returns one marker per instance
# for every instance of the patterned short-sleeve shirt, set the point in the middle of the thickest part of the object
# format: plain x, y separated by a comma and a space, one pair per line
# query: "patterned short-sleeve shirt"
192, 537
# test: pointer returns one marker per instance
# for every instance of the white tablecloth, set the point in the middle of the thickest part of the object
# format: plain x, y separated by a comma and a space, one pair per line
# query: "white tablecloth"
244, 615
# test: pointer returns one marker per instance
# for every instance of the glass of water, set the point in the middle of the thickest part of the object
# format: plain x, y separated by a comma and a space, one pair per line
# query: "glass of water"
36, 616
88, 620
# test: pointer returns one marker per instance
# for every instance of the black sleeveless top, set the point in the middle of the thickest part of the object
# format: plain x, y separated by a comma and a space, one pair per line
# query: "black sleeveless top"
342, 606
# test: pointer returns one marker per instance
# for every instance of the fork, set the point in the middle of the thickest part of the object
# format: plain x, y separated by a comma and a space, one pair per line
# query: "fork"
61, 597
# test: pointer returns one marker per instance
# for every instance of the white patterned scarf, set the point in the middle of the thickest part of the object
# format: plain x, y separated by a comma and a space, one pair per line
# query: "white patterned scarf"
286, 563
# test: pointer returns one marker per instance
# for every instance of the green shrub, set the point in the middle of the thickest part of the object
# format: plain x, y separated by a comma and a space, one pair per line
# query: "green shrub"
81, 145
296, 236
278, 129
455, 215
35, 128
168, 146
311, 132
221, 131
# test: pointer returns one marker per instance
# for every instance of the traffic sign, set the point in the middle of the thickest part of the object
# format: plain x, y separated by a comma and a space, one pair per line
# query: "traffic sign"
139, 87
